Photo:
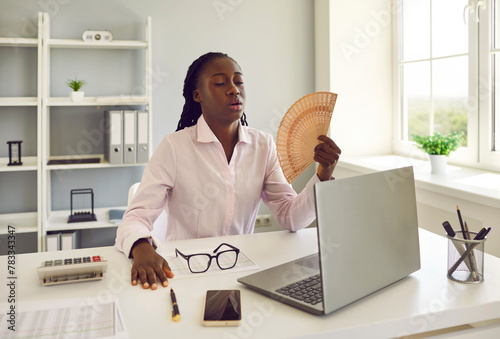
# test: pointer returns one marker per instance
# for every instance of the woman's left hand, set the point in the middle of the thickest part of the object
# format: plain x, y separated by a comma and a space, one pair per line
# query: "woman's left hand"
326, 154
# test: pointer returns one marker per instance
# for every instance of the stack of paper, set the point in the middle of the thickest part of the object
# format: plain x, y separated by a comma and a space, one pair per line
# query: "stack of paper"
66, 318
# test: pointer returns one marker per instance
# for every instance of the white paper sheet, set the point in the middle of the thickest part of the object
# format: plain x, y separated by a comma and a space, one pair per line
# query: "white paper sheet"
72, 318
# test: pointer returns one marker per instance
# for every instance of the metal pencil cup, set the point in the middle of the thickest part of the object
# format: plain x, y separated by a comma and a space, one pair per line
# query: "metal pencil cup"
465, 259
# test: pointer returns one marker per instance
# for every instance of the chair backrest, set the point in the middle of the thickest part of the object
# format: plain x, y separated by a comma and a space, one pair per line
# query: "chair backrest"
160, 224
131, 191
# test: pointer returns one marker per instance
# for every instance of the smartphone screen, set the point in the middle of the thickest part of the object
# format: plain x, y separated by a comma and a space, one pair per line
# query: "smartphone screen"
222, 308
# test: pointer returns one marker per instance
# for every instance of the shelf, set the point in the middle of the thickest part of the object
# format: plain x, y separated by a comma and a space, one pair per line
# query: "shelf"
117, 44
101, 164
29, 164
38, 105
19, 42
18, 101
99, 101
23, 222
58, 220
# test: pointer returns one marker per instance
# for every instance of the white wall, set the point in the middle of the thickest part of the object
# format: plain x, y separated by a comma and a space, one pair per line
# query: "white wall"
358, 34
273, 41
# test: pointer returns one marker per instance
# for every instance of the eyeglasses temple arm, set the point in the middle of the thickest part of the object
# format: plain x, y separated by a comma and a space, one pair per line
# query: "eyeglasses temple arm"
233, 247
177, 252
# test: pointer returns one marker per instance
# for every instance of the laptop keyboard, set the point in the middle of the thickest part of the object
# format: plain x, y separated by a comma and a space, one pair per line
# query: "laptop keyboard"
307, 290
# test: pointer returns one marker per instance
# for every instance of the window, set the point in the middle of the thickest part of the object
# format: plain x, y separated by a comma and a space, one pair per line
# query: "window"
489, 76
445, 75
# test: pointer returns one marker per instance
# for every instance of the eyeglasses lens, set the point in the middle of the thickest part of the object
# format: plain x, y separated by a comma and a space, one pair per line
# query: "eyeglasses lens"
199, 263
227, 259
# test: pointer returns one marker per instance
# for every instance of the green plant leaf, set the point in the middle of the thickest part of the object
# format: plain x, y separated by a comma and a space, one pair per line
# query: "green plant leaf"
437, 143
76, 84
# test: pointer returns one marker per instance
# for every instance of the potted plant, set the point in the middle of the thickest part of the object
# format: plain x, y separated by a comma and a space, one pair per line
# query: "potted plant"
438, 147
75, 85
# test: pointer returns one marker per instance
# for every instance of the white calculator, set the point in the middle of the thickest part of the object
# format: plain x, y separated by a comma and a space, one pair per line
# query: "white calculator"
72, 270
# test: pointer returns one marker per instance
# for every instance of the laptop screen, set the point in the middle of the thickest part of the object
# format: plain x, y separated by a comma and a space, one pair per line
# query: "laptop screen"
367, 234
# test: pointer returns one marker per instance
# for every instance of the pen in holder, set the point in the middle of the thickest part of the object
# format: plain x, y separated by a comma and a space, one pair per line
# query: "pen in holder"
465, 259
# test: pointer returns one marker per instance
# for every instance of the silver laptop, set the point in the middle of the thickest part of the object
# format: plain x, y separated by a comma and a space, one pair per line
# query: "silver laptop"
367, 239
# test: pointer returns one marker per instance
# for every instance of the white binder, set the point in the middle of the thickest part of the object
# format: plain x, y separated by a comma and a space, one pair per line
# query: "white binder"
113, 141
129, 137
142, 137
53, 242
68, 241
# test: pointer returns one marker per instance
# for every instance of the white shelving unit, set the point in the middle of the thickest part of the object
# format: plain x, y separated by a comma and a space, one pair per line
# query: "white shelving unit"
99, 101
29, 221
53, 220
24, 222
58, 220
29, 164
19, 101
74, 43
22, 42
44, 219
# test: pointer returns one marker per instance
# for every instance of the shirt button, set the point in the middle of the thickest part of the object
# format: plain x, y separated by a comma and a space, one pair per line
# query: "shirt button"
230, 213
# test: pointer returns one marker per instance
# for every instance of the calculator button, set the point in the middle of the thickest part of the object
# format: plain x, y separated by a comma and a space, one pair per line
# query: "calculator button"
48, 263
77, 260
58, 262
96, 258
86, 259
68, 261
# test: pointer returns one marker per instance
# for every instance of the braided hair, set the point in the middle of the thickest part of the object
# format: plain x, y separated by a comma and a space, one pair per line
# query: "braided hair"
192, 109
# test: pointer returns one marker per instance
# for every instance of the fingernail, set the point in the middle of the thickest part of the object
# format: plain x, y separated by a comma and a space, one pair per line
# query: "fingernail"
154, 286
165, 283
134, 282
146, 285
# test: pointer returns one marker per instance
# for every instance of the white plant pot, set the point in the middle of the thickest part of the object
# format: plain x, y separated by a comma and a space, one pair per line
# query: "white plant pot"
438, 163
76, 96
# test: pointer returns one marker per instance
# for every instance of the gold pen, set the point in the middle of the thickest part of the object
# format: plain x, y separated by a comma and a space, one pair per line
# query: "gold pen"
176, 316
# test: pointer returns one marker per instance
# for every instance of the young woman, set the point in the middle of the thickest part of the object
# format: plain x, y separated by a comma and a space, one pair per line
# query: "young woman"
211, 175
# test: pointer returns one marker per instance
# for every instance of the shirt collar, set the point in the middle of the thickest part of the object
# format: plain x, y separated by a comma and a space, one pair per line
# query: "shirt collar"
205, 134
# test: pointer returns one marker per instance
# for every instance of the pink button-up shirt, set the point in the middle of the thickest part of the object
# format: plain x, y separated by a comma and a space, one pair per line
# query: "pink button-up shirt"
204, 195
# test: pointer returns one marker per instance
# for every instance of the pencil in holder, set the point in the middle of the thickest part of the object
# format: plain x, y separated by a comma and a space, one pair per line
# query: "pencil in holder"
465, 259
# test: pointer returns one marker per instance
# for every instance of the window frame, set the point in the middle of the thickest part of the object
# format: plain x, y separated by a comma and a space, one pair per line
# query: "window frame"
478, 152
489, 158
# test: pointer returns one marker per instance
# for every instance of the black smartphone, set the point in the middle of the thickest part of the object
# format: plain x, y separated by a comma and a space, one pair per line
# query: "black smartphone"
222, 308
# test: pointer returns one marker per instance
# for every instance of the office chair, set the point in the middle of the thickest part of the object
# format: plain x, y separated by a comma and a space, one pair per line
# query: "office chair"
160, 225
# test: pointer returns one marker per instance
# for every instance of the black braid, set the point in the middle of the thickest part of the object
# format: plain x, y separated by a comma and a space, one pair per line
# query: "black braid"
192, 109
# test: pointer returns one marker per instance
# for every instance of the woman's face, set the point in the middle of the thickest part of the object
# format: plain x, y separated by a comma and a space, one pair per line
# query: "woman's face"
220, 92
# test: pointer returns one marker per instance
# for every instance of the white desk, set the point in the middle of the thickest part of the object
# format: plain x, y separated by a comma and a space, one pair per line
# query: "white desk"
425, 301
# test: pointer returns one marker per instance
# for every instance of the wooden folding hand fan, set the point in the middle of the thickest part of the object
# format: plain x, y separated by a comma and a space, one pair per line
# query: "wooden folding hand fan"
307, 119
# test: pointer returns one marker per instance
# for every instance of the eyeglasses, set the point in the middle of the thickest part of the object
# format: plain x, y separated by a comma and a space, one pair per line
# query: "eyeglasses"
199, 263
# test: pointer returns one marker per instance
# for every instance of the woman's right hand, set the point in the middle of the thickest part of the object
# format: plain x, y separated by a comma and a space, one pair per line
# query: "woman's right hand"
149, 266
